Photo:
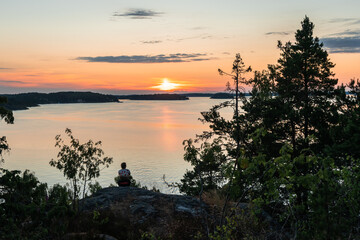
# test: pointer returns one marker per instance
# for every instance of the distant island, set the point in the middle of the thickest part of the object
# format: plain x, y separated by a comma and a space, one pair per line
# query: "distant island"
222, 96
197, 94
154, 97
23, 101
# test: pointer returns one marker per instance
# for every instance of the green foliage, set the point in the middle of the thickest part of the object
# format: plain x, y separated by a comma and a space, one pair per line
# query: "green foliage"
79, 162
207, 174
240, 226
94, 187
306, 89
98, 220
8, 117
149, 236
293, 150
329, 210
29, 211
23, 194
134, 183
5, 114
59, 195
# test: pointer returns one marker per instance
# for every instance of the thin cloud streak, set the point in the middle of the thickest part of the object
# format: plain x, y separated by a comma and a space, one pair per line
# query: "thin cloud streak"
278, 33
203, 36
162, 58
2, 81
178, 39
198, 28
138, 14
151, 42
350, 21
347, 33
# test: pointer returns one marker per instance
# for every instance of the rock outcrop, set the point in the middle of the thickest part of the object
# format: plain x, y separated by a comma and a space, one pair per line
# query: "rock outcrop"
129, 213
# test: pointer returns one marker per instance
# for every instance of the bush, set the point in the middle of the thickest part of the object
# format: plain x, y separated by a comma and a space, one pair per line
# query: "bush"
29, 210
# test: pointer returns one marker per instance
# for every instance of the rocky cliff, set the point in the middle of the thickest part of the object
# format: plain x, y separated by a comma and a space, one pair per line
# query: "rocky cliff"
129, 213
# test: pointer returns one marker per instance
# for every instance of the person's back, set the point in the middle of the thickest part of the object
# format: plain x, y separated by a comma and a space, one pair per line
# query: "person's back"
124, 176
124, 172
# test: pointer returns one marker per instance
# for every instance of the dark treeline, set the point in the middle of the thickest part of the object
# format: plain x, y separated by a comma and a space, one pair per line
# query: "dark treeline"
222, 96
23, 101
153, 97
219, 95
181, 96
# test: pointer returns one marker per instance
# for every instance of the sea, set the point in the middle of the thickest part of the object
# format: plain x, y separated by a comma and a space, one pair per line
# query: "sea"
147, 135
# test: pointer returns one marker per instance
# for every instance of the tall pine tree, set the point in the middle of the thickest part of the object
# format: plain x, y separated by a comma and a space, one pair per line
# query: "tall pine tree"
305, 88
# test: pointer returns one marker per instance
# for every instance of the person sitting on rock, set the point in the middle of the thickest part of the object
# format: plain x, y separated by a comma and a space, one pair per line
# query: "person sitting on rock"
124, 176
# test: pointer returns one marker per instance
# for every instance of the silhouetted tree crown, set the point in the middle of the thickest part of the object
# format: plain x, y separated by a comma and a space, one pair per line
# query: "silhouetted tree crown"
295, 144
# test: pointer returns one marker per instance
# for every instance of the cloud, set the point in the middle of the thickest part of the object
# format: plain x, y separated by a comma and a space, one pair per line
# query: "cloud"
278, 33
180, 39
342, 44
1, 68
2, 81
138, 14
345, 41
198, 28
151, 42
201, 36
347, 33
162, 58
349, 21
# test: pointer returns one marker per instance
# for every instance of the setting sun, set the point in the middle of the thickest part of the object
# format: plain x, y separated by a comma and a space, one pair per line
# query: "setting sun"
166, 85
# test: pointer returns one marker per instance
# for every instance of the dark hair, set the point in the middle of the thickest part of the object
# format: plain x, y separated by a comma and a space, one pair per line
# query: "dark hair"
123, 165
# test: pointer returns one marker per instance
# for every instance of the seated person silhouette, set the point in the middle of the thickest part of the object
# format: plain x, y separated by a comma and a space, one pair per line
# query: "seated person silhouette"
124, 176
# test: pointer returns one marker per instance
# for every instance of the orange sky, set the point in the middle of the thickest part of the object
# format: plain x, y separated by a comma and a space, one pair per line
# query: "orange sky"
50, 47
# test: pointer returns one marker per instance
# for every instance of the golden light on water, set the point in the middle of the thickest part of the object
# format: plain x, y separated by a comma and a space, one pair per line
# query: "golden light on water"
166, 85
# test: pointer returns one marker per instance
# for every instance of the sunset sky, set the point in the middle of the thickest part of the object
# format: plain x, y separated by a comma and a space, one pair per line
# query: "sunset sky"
133, 46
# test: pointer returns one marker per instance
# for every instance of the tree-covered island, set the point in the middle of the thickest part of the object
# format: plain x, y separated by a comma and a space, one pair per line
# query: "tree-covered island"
23, 101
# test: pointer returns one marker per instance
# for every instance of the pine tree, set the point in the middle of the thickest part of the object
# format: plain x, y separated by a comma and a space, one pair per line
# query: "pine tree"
305, 87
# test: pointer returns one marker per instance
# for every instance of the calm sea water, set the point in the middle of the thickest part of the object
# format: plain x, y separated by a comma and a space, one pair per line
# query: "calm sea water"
147, 135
